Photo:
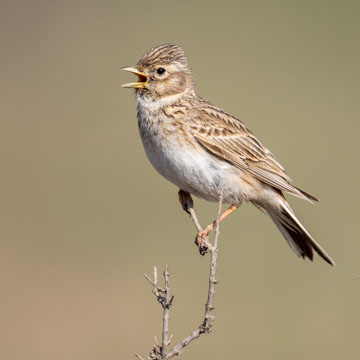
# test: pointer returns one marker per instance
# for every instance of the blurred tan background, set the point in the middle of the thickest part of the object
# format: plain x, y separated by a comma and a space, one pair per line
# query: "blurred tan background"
83, 214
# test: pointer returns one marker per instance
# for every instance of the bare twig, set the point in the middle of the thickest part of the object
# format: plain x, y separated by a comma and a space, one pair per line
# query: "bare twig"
206, 325
164, 297
166, 306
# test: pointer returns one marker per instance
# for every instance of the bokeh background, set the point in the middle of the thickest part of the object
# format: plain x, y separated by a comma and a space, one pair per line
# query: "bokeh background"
84, 215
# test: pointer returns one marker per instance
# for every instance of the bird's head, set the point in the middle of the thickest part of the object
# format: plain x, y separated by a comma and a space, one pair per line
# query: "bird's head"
162, 71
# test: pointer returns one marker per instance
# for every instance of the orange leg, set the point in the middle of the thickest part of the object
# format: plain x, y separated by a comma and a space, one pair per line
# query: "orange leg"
205, 232
187, 204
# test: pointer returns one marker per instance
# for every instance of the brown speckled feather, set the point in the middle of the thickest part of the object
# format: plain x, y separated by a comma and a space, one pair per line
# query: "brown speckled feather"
208, 152
228, 138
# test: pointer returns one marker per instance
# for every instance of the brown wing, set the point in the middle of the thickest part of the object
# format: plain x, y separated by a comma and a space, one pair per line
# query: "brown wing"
228, 138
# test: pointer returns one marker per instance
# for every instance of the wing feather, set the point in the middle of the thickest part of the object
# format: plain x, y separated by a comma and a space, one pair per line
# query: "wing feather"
228, 138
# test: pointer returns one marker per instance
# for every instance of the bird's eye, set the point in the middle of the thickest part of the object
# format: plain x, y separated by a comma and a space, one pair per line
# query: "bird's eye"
160, 71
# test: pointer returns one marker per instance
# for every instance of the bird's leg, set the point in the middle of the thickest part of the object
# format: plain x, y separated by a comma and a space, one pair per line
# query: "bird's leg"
187, 204
186, 200
205, 232
201, 239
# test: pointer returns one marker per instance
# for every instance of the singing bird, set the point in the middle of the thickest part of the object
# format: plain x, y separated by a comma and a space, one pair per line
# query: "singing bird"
208, 152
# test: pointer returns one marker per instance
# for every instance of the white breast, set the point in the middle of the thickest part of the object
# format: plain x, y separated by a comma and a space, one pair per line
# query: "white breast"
189, 166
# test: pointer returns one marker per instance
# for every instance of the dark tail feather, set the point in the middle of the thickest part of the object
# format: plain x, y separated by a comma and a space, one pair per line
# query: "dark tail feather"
307, 196
296, 235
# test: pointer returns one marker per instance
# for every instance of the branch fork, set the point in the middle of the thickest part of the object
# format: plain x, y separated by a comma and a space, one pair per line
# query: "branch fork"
165, 299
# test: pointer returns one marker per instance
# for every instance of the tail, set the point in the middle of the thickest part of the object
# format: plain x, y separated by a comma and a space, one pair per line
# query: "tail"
304, 195
295, 234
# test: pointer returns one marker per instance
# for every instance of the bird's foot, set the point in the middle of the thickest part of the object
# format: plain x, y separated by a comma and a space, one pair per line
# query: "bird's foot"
202, 241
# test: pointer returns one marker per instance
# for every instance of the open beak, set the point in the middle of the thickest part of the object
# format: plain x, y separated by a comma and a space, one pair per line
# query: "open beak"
142, 78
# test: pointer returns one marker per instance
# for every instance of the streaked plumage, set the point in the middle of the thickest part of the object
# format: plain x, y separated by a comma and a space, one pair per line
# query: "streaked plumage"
206, 151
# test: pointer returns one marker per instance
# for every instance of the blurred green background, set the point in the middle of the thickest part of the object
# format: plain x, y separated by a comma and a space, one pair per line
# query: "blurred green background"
84, 215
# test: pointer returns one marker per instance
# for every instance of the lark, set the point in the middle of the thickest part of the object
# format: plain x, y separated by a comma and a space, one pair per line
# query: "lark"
209, 153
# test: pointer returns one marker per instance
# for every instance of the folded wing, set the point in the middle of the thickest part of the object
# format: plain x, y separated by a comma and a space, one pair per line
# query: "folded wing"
228, 138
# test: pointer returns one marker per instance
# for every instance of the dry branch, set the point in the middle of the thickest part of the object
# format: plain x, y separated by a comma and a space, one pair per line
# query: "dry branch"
164, 297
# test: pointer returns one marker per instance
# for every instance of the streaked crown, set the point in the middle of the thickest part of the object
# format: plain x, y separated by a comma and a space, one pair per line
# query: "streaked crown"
163, 54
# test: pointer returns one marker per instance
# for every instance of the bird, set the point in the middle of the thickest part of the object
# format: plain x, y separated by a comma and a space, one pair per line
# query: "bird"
207, 152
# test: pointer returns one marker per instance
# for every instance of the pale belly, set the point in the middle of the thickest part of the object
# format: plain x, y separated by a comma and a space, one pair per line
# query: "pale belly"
194, 169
